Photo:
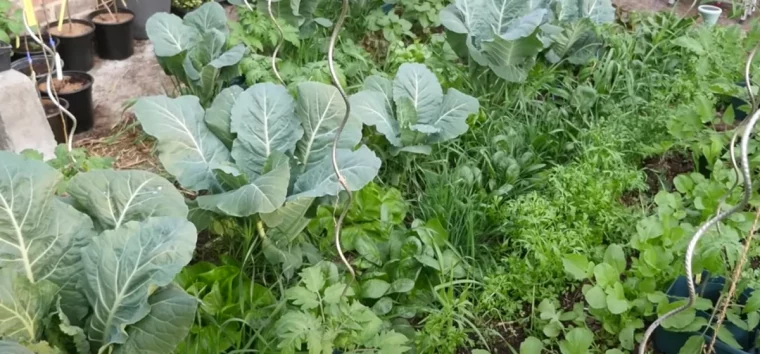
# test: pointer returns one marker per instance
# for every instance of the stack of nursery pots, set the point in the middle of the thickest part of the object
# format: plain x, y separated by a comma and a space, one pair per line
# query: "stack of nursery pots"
59, 123
75, 38
113, 33
143, 10
76, 89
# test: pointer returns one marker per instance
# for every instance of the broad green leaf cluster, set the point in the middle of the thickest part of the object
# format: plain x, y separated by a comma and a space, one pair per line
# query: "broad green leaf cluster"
508, 35
194, 50
92, 272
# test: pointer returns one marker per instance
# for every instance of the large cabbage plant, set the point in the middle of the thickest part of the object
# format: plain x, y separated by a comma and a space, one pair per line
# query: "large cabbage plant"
92, 272
193, 50
412, 112
260, 153
508, 35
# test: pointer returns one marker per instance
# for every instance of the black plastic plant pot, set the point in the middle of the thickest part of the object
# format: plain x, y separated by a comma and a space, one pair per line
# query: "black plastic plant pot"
27, 45
76, 88
59, 122
669, 342
41, 64
75, 44
5, 56
113, 33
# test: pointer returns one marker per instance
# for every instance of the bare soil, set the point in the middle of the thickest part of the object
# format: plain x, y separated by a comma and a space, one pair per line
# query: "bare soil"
114, 18
69, 84
663, 169
71, 30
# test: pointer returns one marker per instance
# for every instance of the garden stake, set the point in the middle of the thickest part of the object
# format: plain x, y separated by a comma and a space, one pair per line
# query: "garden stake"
51, 89
280, 38
338, 174
744, 167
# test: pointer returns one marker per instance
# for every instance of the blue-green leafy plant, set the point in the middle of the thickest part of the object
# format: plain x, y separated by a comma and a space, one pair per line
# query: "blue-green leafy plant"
412, 111
193, 50
260, 152
508, 35
95, 276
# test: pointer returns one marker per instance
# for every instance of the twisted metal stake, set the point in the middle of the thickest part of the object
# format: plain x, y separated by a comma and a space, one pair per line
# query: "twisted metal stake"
338, 174
747, 131
53, 96
280, 39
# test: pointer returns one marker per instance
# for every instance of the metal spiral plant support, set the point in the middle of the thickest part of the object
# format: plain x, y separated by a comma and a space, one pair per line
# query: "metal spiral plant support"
280, 39
51, 90
743, 170
336, 168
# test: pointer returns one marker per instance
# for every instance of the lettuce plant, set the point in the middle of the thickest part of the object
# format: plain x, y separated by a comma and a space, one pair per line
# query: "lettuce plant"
193, 50
91, 273
260, 152
412, 111
508, 35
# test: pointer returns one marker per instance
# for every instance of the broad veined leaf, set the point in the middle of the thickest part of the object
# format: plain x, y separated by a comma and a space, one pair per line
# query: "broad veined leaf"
210, 46
218, 116
8, 347
171, 315
169, 35
598, 11
321, 110
229, 58
122, 266
187, 149
264, 194
75, 332
372, 109
210, 15
23, 306
201, 218
512, 59
576, 42
357, 167
452, 117
418, 84
41, 236
264, 120
516, 18
288, 222
113, 198
382, 86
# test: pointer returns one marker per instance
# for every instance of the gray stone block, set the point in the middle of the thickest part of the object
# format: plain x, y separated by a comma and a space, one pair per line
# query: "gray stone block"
23, 124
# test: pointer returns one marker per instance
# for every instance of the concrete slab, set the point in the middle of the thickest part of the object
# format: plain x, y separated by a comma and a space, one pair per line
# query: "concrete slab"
23, 124
119, 82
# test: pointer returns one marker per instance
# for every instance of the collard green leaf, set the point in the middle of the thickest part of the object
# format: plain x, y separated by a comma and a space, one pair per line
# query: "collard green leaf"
265, 194
23, 306
9, 347
41, 236
169, 35
218, 116
208, 16
286, 223
186, 147
113, 198
123, 265
382, 86
320, 108
201, 218
418, 84
229, 58
264, 120
512, 59
598, 11
78, 337
371, 108
171, 315
357, 168
451, 120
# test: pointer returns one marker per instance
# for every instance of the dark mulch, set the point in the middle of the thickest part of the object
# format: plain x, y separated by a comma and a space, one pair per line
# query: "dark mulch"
661, 170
